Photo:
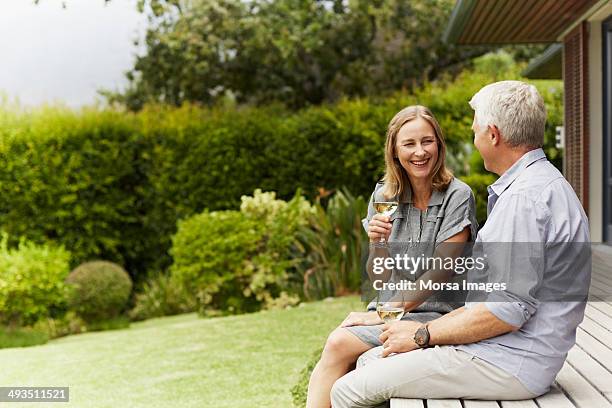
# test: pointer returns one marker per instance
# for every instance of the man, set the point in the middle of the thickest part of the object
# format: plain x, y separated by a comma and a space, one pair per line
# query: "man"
511, 344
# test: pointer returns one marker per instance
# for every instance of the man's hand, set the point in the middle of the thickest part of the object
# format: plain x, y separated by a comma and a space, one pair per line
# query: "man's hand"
361, 319
398, 337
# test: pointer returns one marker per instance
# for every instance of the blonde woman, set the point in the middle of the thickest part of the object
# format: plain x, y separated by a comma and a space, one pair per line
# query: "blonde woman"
434, 208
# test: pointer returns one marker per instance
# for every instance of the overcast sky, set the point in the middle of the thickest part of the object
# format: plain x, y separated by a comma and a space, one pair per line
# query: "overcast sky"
48, 53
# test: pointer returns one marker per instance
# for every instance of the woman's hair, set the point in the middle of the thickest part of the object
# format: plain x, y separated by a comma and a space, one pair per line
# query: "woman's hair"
396, 180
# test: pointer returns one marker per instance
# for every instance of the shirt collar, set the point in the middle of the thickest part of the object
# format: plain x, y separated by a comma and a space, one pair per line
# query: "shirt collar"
437, 197
513, 172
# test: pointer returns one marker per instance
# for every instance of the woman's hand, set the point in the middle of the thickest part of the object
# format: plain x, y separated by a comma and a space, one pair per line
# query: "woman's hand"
379, 227
361, 319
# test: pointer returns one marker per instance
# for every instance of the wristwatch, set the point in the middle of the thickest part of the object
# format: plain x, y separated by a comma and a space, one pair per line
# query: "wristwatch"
421, 337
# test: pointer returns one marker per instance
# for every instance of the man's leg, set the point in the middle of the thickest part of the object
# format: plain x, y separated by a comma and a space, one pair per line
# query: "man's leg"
440, 372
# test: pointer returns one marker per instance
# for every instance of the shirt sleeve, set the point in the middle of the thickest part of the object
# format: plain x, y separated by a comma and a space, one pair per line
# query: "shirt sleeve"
460, 212
514, 248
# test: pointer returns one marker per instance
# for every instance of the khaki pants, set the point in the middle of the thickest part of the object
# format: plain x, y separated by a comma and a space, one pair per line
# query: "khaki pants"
439, 372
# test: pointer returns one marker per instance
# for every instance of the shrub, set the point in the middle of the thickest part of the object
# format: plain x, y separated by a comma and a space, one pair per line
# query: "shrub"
209, 252
161, 295
334, 243
31, 281
274, 268
112, 185
63, 325
239, 261
75, 179
300, 390
100, 290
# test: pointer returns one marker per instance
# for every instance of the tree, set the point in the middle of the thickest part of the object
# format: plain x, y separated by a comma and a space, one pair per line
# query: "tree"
298, 52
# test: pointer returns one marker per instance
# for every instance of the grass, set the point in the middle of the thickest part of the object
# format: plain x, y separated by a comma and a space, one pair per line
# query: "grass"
181, 361
21, 337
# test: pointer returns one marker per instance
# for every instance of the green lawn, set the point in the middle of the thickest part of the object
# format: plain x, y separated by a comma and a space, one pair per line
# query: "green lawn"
182, 361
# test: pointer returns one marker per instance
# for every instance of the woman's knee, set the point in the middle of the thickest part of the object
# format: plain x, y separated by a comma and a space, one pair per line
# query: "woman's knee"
342, 345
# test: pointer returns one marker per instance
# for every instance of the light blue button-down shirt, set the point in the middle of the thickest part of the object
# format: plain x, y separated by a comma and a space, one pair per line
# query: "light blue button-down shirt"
533, 203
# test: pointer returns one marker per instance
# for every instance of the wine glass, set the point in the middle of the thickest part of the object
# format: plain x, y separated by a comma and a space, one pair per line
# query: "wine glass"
388, 312
386, 208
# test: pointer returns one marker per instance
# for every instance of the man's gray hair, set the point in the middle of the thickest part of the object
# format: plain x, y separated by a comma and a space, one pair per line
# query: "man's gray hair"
516, 108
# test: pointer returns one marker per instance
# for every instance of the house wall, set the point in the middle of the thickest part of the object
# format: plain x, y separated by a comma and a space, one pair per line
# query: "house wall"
595, 132
596, 122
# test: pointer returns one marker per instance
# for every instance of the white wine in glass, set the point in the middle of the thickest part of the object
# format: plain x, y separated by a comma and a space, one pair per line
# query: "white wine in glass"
389, 313
386, 208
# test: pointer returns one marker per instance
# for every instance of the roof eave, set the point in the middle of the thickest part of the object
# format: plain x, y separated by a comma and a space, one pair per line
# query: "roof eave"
459, 17
546, 65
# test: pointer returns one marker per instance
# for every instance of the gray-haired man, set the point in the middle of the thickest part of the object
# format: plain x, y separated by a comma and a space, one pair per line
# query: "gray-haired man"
512, 344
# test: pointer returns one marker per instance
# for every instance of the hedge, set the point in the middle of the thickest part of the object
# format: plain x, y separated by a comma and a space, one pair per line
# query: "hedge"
112, 185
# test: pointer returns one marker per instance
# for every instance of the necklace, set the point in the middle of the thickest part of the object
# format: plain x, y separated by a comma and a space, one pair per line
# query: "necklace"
421, 213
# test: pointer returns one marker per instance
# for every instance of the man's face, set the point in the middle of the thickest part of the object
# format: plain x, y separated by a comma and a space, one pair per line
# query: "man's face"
482, 142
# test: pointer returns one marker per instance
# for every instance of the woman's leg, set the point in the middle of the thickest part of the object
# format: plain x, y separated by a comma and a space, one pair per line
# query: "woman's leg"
340, 352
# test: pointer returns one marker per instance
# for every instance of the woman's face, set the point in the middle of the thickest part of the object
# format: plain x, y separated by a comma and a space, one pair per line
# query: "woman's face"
417, 149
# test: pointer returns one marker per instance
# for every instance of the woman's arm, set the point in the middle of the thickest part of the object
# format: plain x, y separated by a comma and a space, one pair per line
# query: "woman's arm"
410, 301
378, 227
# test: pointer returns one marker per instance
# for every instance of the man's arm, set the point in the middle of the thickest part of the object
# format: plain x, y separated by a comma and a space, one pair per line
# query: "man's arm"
461, 326
467, 326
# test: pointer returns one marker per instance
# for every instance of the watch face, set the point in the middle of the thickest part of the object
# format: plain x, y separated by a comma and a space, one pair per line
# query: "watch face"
420, 337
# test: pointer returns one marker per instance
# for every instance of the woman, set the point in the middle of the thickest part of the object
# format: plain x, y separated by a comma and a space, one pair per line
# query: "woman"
434, 208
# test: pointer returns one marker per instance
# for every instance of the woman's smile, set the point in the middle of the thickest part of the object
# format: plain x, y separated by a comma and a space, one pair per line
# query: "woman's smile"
420, 163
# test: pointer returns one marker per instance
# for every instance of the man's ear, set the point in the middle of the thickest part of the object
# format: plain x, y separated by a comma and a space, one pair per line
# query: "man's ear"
495, 135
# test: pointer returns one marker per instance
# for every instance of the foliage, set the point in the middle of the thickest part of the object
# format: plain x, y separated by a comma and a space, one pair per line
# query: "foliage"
21, 337
113, 323
62, 325
334, 244
76, 179
113, 185
31, 281
100, 290
238, 261
298, 52
71, 323
299, 391
161, 296
209, 252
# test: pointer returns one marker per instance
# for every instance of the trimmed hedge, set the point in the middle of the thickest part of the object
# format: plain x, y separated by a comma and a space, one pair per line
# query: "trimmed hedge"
99, 290
76, 179
112, 185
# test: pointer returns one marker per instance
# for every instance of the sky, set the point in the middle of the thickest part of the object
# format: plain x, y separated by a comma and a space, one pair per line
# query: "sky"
50, 54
